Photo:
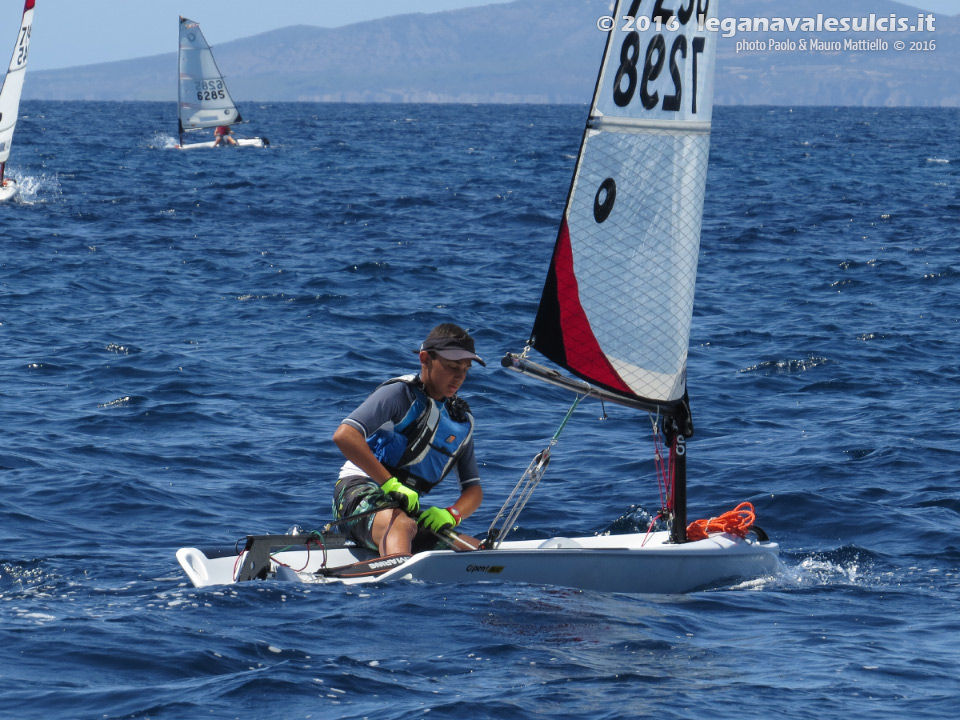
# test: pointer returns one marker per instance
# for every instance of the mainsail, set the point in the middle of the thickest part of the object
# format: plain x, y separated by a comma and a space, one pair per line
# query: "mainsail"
13, 84
204, 99
617, 304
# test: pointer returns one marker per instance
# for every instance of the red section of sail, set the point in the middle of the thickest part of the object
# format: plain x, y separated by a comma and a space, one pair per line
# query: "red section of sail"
28, 5
583, 352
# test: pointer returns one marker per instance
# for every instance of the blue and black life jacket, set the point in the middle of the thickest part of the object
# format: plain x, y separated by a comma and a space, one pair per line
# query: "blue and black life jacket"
427, 443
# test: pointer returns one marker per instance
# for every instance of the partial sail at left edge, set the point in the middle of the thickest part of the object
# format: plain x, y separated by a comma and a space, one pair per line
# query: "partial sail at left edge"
204, 100
13, 84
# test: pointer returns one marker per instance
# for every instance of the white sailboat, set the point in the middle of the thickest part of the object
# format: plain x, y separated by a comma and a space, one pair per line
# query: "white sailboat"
615, 311
10, 97
203, 99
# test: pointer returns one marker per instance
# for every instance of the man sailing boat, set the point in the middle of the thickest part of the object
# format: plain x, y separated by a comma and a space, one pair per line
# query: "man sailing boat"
405, 438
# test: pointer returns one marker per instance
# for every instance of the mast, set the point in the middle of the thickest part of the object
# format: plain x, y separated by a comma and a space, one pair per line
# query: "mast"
179, 85
677, 428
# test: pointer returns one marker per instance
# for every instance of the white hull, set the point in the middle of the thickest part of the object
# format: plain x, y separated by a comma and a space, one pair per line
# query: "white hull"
610, 563
8, 190
241, 142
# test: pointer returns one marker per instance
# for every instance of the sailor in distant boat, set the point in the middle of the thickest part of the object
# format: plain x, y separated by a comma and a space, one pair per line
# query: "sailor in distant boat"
409, 434
222, 135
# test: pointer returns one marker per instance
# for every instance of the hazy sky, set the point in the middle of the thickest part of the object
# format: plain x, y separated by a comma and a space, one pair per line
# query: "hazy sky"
80, 32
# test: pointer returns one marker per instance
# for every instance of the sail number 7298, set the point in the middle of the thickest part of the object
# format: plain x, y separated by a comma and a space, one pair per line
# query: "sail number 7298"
647, 80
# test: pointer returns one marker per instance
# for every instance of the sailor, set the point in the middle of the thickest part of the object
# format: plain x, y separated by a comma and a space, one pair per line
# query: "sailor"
408, 435
222, 135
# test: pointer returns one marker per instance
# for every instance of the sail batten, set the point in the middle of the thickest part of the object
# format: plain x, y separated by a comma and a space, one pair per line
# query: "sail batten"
647, 126
617, 305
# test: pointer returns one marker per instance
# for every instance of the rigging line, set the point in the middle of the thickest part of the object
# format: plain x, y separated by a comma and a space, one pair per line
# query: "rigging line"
665, 466
388, 505
323, 548
665, 470
658, 462
526, 484
533, 475
556, 435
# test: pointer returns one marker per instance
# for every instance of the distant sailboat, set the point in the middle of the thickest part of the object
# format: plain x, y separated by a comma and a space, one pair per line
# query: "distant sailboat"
10, 97
204, 101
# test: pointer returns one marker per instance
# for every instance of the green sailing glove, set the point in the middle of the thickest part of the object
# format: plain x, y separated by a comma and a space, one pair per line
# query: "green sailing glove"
396, 490
438, 519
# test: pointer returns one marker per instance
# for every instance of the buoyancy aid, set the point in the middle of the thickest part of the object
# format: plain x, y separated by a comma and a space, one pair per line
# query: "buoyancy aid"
427, 443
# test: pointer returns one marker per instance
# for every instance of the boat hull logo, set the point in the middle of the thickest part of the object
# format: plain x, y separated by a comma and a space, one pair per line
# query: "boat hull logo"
491, 569
387, 563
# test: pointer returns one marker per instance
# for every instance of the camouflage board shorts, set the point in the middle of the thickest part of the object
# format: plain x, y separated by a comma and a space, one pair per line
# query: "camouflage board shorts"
352, 496
360, 494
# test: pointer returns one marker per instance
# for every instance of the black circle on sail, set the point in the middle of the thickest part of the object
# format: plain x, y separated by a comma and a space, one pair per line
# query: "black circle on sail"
601, 210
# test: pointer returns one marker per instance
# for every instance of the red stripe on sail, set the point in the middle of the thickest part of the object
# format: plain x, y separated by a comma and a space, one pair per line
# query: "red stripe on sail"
28, 5
584, 355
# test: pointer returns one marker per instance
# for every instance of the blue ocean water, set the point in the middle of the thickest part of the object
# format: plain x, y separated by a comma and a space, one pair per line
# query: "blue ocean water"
181, 333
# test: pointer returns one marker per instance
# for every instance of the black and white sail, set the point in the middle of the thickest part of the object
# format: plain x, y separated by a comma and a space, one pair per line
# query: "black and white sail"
617, 304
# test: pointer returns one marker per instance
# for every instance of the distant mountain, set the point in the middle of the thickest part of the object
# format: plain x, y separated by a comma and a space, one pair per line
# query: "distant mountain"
538, 51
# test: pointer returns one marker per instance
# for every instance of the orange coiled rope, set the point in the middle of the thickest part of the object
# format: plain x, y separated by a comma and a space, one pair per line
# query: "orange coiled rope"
736, 522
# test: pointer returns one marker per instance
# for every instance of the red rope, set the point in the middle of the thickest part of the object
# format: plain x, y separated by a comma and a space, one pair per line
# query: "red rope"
664, 468
316, 541
736, 522
666, 473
